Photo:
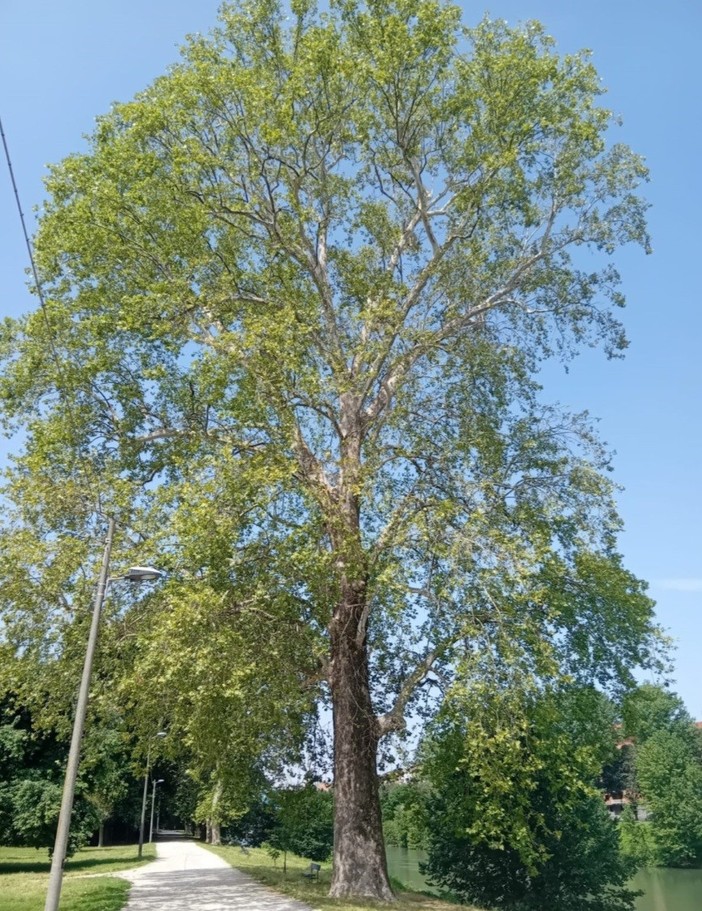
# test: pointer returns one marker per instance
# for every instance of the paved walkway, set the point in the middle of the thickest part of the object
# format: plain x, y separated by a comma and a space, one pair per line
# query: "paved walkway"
186, 877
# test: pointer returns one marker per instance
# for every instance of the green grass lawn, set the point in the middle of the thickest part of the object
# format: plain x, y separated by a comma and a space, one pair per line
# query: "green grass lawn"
24, 875
260, 867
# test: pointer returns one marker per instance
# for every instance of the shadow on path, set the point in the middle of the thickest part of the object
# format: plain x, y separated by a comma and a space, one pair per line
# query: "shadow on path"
187, 877
73, 864
217, 888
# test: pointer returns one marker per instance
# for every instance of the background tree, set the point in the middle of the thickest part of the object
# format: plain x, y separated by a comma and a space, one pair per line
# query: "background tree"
255, 826
650, 708
107, 769
526, 829
404, 806
636, 839
303, 822
236, 712
31, 775
669, 776
297, 292
619, 776
667, 779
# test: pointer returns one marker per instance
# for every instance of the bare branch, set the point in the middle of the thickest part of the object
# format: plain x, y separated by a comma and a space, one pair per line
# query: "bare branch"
394, 720
311, 469
503, 295
400, 246
162, 433
422, 204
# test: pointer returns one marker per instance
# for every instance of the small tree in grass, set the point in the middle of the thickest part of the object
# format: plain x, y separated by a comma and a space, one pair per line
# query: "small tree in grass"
304, 823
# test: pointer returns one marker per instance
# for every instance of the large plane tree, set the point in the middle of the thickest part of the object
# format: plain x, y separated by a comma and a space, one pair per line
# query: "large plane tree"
297, 295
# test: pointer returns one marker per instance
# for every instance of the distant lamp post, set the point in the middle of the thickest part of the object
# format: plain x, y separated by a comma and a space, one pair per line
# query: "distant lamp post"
153, 802
145, 795
135, 574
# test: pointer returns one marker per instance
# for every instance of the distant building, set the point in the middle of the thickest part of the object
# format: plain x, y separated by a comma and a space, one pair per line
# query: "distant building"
617, 800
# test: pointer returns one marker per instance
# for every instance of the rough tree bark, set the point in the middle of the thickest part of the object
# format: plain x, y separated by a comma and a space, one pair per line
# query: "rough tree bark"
360, 866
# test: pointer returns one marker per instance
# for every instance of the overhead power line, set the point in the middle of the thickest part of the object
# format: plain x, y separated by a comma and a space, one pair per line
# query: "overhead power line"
93, 483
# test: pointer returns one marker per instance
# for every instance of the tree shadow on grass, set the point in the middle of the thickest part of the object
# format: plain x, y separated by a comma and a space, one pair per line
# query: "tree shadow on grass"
24, 866
73, 865
292, 883
107, 894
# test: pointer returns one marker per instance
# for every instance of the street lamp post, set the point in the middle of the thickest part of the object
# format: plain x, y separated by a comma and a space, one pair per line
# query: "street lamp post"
153, 803
69, 785
145, 794
136, 574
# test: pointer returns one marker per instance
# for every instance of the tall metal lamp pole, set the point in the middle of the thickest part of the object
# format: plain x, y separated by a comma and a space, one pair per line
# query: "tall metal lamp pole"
135, 574
69, 786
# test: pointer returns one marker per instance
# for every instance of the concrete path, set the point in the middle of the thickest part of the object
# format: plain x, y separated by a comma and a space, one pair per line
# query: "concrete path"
186, 877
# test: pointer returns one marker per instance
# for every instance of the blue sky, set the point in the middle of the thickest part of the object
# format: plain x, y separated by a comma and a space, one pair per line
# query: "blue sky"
61, 64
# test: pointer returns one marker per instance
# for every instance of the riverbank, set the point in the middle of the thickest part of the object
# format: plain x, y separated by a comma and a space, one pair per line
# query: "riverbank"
665, 889
258, 864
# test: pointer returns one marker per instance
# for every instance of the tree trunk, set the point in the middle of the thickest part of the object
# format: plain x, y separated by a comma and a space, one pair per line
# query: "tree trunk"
360, 866
101, 834
215, 828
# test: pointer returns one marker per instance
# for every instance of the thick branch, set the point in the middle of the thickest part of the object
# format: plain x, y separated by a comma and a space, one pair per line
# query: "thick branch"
310, 467
394, 720
422, 202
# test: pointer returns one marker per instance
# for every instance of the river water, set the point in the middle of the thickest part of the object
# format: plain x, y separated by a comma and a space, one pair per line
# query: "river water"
669, 890
664, 890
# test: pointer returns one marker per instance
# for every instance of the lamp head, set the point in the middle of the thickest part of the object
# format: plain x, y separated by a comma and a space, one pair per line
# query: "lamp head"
142, 574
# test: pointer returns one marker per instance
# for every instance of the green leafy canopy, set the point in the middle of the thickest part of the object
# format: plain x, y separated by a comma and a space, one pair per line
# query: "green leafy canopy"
298, 291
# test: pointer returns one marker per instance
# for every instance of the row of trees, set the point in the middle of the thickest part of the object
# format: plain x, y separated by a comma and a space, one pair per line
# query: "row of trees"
535, 833
296, 819
32, 765
296, 298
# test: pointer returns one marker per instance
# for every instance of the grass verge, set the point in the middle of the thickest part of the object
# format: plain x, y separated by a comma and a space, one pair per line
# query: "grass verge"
259, 866
24, 876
